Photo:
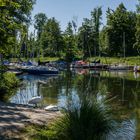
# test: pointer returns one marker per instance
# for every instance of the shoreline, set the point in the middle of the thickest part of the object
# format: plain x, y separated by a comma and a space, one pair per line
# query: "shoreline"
14, 118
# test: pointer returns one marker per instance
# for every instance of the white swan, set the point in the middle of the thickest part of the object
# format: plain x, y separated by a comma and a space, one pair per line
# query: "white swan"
51, 108
35, 100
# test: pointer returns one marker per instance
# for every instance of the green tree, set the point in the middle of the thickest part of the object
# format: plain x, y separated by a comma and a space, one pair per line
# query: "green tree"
137, 34
121, 27
69, 39
85, 40
96, 22
40, 20
13, 14
51, 38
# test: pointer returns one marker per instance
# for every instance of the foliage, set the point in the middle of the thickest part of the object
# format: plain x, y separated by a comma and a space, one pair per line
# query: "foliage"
13, 14
89, 34
137, 33
8, 82
117, 60
90, 121
70, 41
120, 28
40, 20
96, 23
51, 38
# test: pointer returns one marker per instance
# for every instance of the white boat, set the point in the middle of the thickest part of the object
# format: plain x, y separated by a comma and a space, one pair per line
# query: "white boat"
119, 67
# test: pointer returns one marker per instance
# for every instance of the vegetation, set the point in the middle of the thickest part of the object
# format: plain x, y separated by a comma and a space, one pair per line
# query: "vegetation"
118, 38
73, 125
8, 83
14, 16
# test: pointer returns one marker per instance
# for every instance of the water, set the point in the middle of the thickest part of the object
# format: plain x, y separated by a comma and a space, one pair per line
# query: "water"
123, 87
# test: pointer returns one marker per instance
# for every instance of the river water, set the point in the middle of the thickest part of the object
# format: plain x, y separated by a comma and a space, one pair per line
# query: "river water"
122, 87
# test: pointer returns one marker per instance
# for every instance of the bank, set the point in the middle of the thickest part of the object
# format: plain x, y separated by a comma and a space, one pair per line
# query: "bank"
14, 118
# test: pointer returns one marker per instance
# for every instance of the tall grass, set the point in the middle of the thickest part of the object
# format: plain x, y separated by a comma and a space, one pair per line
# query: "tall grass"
90, 121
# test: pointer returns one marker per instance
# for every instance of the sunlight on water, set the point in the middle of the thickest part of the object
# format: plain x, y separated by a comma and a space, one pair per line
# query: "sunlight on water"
123, 87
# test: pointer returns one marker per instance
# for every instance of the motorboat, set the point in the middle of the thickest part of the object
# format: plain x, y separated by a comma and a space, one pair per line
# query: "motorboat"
41, 70
119, 67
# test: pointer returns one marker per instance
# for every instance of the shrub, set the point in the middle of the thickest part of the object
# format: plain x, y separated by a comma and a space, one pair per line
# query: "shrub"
90, 121
8, 83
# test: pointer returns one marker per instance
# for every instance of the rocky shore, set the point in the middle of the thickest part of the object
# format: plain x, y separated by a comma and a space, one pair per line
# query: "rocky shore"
14, 118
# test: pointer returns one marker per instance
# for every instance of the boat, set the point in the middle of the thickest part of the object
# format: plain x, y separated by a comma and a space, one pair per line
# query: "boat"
16, 72
119, 67
40, 70
85, 65
79, 64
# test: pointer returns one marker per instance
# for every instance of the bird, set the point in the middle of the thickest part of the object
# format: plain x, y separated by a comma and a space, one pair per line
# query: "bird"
35, 100
51, 108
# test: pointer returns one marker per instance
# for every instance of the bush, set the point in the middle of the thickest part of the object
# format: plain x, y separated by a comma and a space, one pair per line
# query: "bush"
90, 121
8, 83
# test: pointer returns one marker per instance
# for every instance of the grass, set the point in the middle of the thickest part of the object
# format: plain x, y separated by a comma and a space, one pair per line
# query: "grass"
90, 121
111, 60
106, 60
36, 59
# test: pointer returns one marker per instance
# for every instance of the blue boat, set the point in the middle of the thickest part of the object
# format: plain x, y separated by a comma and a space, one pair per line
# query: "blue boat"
41, 70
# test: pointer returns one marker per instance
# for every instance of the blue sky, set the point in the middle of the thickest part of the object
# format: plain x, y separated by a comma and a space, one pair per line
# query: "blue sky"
65, 10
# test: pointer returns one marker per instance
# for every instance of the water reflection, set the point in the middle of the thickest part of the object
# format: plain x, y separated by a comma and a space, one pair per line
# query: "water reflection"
124, 87
32, 87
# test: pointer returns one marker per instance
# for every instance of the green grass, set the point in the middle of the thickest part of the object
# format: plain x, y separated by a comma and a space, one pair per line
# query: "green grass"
106, 60
112, 60
36, 59
90, 121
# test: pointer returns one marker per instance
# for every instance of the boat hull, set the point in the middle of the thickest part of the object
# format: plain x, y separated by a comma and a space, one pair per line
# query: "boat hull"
40, 72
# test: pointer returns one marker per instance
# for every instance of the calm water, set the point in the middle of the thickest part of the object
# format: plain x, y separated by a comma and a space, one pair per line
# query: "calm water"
124, 87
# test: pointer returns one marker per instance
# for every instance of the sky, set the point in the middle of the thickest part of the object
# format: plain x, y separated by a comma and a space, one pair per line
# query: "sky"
67, 10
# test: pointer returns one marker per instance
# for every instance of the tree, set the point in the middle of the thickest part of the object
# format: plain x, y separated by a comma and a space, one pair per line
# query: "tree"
119, 23
137, 34
40, 20
13, 14
69, 39
85, 38
89, 34
96, 22
51, 38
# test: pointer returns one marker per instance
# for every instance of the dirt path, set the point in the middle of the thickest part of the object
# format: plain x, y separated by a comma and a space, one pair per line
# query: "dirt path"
13, 118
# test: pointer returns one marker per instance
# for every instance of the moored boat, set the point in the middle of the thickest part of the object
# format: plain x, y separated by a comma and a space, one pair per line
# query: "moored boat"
41, 70
119, 67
